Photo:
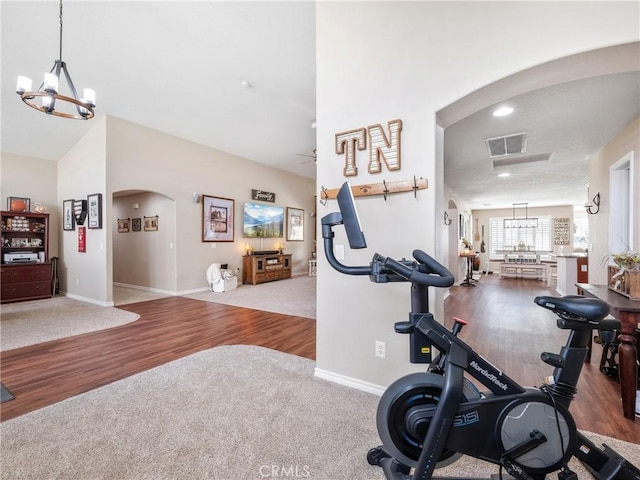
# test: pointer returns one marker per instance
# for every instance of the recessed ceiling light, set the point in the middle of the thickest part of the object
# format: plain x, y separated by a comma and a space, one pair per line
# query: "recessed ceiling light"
245, 83
505, 174
502, 112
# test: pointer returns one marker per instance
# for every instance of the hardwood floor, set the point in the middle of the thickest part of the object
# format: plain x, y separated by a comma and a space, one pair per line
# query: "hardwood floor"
505, 326
167, 330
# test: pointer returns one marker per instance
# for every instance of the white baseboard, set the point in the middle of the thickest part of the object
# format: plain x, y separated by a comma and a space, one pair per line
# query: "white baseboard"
193, 290
87, 299
349, 382
146, 289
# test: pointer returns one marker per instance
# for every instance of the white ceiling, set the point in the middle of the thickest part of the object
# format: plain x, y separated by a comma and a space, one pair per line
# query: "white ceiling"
178, 66
571, 121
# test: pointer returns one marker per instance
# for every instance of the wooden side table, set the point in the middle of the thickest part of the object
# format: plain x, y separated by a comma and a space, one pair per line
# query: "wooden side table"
628, 312
468, 280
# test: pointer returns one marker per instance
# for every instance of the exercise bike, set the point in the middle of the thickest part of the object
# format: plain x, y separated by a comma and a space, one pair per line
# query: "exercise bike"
428, 420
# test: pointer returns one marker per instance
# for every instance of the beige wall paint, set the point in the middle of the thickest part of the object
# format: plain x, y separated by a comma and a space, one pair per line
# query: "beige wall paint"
81, 172
628, 140
117, 156
30, 177
140, 158
385, 60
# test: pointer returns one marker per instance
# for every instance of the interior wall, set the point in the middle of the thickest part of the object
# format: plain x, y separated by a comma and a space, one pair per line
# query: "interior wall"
140, 258
30, 177
85, 275
141, 158
432, 55
628, 140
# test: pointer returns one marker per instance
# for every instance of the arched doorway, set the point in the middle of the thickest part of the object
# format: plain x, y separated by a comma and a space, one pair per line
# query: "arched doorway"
144, 240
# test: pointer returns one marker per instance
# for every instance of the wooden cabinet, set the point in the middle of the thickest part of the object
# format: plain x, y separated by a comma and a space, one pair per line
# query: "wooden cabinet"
25, 270
265, 268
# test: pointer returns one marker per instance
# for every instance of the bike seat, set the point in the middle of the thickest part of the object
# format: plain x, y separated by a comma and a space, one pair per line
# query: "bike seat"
576, 306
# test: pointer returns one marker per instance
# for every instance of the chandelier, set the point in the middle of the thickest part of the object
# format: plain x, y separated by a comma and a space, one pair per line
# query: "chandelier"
50, 100
521, 222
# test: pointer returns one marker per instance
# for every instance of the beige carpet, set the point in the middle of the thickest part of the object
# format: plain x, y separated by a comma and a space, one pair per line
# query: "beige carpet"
37, 321
293, 296
233, 412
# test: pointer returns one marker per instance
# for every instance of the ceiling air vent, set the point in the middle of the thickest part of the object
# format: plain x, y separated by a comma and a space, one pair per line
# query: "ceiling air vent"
510, 162
508, 145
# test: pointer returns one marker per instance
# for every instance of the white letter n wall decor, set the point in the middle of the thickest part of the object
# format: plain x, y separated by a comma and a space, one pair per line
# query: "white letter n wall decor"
381, 148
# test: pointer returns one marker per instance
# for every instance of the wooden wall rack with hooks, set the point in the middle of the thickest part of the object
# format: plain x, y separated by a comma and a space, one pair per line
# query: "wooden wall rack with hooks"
384, 188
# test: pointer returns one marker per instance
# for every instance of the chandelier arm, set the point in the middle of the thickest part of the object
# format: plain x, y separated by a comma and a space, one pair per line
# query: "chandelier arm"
60, 56
72, 87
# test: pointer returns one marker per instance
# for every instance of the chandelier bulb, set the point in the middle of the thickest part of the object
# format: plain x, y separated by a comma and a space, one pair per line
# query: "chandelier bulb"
24, 84
89, 96
50, 83
47, 102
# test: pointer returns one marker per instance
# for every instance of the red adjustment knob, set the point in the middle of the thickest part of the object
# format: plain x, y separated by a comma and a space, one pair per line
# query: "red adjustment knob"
459, 320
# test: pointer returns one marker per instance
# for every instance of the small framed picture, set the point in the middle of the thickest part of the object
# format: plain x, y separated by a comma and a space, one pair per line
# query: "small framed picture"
68, 218
123, 225
94, 204
18, 204
295, 224
136, 224
217, 219
151, 224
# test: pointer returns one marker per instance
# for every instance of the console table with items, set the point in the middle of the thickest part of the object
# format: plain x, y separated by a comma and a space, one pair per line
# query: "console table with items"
628, 312
524, 264
25, 270
266, 267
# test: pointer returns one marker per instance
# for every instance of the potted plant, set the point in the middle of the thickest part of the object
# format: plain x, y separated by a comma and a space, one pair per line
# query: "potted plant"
624, 274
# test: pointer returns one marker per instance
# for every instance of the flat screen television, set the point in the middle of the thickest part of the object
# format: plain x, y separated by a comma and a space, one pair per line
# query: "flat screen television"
263, 221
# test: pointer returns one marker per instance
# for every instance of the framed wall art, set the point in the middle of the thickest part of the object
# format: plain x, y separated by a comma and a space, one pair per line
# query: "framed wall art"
123, 225
262, 221
68, 219
95, 210
136, 224
295, 224
217, 219
561, 231
18, 204
151, 224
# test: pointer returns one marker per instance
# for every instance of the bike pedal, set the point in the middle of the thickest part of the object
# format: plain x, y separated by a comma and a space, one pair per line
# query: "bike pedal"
567, 475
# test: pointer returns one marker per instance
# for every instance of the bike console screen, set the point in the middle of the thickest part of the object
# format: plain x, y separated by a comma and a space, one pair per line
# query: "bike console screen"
350, 217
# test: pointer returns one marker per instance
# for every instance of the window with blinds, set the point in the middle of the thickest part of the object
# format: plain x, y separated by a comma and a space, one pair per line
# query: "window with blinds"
501, 238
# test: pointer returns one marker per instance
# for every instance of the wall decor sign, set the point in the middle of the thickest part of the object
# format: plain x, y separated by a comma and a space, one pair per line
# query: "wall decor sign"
382, 148
18, 204
561, 231
82, 239
94, 202
80, 211
217, 219
295, 224
68, 219
123, 225
151, 224
136, 224
263, 196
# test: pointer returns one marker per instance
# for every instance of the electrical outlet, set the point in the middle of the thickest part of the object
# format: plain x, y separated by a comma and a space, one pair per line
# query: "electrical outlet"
380, 349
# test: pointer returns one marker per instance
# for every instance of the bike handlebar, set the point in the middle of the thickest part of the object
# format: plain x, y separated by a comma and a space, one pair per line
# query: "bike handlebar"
427, 271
